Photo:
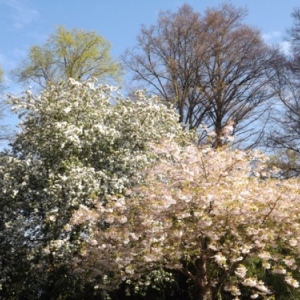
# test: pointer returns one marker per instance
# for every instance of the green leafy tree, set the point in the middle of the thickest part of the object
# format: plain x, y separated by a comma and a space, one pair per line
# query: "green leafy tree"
67, 54
78, 144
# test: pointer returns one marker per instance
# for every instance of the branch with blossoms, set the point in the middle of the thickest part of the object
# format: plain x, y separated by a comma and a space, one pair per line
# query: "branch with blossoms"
216, 139
199, 211
79, 142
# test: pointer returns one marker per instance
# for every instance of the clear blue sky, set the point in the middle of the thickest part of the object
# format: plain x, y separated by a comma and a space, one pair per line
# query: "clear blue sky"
24, 23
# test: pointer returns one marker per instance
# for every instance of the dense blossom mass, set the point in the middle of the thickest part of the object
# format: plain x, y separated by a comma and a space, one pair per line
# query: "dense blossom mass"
206, 213
161, 194
78, 144
118, 191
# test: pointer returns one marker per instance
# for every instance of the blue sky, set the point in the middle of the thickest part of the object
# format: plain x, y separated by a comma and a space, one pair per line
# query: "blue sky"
24, 23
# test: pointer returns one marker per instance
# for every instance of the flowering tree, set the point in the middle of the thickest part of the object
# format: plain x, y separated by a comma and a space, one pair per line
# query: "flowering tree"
205, 213
78, 144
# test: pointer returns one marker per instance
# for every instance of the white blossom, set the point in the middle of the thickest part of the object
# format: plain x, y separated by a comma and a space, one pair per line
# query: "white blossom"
112, 196
241, 271
252, 282
291, 281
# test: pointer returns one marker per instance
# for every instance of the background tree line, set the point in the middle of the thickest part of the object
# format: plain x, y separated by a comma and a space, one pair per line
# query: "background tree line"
231, 91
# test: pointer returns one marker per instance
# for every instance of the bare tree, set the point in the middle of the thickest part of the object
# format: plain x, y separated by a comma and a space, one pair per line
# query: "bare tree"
284, 136
211, 68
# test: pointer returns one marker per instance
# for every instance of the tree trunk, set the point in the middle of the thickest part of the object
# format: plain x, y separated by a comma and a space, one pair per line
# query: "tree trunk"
205, 294
202, 281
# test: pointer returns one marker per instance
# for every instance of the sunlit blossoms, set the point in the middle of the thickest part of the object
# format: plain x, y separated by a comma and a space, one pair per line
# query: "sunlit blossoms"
79, 143
201, 212
116, 191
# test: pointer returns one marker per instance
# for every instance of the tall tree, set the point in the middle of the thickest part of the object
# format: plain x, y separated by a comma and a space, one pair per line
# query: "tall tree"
67, 54
211, 68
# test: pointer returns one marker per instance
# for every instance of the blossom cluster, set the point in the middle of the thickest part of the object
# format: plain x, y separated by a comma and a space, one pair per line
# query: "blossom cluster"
202, 212
79, 143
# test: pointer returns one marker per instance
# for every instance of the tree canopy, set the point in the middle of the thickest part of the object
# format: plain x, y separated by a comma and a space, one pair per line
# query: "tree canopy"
150, 196
75, 53
213, 69
114, 191
79, 143
198, 212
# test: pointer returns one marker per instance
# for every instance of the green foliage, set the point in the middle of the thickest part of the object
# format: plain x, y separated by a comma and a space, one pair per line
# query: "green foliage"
68, 54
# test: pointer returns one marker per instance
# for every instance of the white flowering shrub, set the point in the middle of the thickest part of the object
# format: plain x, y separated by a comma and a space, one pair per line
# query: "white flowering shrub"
204, 212
78, 144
